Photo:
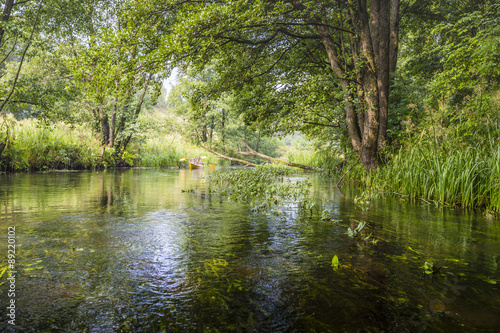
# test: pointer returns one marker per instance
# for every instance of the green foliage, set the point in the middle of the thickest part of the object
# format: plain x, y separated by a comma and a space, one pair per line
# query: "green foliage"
335, 262
430, 267
213, 119
356, 232
262, 187
37, 146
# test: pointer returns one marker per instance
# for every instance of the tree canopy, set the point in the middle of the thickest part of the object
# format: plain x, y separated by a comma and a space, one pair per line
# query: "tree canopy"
346, 72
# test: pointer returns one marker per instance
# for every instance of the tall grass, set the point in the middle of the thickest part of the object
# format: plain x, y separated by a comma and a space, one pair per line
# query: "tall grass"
326, 159
468, 177
166, 151
33, 145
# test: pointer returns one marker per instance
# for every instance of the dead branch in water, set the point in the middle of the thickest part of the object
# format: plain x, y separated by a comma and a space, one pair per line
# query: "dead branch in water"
275, 160
232, 159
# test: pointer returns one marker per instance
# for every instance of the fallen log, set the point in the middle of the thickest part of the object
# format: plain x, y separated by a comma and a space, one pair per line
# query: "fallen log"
275, 160
232, 159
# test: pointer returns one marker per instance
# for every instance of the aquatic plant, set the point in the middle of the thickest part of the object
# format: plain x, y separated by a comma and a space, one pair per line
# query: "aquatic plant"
430, 267
261, 187
356, 231
335, 262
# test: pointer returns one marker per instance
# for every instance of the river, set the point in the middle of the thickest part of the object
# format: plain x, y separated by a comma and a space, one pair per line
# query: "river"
151, 250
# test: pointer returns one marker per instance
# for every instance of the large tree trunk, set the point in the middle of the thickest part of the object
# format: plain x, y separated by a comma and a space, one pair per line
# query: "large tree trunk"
374, 53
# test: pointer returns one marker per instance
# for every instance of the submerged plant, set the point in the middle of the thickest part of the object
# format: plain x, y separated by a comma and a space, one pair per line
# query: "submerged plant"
262, 187
356, 232
335, 262
430, 267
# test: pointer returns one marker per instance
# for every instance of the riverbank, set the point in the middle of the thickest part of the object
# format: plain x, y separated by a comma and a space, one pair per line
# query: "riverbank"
432, 168
454, 166
33, 145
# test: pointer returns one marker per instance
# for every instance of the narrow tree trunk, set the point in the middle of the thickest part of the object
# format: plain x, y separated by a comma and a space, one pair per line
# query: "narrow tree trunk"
16, 78
7, 9
113, 123
258, 143
382, 48
351, 117
394, 43
223, 131
137, 111
211, 129
104, 125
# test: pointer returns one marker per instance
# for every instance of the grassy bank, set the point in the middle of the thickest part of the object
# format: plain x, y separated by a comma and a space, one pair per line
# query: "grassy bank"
467, 177
447, 169
31, 145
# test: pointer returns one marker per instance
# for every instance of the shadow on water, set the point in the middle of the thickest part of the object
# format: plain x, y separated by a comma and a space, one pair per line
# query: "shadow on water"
157, 251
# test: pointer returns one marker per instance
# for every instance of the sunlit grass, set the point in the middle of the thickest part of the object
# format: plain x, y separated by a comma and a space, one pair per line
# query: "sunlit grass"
34, 145
325, 159
167, 150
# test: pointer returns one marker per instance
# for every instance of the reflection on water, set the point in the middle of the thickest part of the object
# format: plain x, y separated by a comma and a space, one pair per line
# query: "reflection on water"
156, 251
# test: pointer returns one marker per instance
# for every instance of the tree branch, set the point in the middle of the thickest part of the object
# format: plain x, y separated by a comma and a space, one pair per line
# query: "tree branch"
232, 159
22, 58
275, 160
20, 2
22, 101
326, 125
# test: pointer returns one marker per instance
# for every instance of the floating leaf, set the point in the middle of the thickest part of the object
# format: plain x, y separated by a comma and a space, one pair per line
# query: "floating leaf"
335, 262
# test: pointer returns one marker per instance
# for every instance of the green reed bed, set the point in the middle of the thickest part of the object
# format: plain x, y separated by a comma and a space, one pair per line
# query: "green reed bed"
467, 177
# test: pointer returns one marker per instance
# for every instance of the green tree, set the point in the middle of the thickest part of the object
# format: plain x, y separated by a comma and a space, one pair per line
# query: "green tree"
355, 42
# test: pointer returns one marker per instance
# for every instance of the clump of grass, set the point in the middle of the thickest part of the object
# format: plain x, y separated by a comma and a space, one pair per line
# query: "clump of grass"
467, 177
33, 145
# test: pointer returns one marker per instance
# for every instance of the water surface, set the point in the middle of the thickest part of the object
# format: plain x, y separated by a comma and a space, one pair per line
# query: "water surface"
157, 251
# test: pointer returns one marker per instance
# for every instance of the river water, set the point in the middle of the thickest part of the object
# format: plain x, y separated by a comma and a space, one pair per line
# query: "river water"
157, 251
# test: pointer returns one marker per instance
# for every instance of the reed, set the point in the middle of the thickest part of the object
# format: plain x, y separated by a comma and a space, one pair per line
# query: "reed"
467, 177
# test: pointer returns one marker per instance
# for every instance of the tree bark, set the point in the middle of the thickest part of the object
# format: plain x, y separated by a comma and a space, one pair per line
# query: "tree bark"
223, 131
112, 124
382, 48
137, 111
104, 125
351, 117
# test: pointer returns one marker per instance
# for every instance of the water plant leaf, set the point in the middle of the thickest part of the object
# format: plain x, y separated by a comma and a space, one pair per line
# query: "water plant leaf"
335, 262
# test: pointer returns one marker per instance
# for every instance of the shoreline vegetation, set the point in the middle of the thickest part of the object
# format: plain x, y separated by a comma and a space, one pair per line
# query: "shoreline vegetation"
434, 167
